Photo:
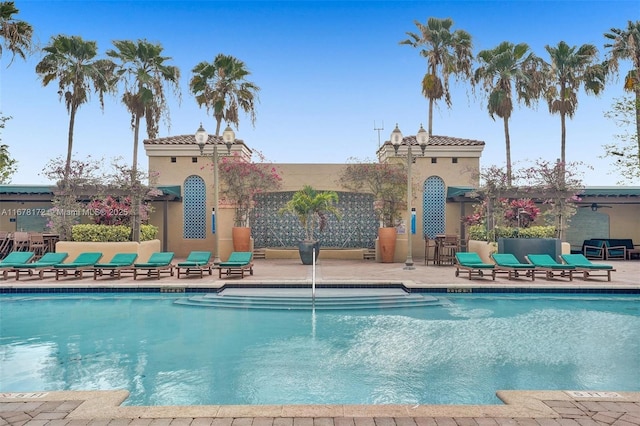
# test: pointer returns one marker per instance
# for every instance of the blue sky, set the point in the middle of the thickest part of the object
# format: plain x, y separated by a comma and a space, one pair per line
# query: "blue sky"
328, 70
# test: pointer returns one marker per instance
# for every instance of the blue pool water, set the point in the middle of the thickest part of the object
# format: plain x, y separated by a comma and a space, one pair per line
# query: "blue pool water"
459, 352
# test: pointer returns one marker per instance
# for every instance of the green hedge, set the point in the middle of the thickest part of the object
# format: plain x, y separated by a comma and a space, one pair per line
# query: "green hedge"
479, 232
111, 233
148, 232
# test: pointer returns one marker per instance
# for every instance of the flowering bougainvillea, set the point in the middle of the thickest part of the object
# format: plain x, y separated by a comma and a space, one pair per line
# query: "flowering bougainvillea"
242, 180
387, 182
113, 211
521, 213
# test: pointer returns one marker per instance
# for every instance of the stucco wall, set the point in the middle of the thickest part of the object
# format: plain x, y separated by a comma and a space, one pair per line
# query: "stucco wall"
295, 176
108, 250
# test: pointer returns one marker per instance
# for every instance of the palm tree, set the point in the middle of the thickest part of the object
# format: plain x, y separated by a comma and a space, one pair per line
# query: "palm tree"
502, 69
625, 44
143, 72
446, 52
16, 34
570, 68
72, 61
222, 87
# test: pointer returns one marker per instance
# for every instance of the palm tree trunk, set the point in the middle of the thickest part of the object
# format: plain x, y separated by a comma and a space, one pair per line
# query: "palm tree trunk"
563, 147
430, 116
67, 166
135, 201
507, 142
563, 137
67, 195
638, 121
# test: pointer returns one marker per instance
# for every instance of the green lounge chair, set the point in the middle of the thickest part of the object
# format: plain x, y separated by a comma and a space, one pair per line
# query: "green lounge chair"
14, 258
237, 264
158, 263
584, 265
84, 261
507, 262
473, 264
120, 262
42, 265
196, 263
545, 264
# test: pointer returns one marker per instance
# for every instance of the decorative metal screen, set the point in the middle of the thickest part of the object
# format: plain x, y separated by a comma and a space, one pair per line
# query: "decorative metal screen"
433, 202
195, 208
357, 229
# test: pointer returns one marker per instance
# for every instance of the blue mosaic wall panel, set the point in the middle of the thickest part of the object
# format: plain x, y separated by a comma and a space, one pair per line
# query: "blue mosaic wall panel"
357, 229
195, 208
433, 203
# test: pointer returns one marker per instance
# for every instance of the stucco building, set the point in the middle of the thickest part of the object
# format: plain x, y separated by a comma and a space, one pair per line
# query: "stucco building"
447, 164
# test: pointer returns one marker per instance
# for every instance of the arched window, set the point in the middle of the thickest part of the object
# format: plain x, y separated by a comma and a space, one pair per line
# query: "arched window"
195, 208
433, 203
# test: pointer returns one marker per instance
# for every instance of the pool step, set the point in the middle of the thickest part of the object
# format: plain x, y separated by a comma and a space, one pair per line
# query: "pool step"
306, 302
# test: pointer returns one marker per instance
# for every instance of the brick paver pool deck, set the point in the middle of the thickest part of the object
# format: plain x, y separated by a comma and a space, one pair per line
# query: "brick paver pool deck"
526, 408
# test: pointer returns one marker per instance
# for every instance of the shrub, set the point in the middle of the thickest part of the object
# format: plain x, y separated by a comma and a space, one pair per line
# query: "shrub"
100, 233
148, 232
479, 232
110, 233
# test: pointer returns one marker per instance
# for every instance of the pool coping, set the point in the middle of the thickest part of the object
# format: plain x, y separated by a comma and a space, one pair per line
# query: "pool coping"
517, 404
25, 287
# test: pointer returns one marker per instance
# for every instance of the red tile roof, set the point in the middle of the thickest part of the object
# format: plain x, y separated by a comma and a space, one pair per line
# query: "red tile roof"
436, 140
185, 140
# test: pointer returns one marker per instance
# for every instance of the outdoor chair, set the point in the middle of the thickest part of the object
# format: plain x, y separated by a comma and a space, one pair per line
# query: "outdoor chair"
37, 244
237, 264
449, 245
473, 264
6, 241
83, 262
584, 265
14, 258
509, 263
158, 263
547, 265
121, 262
45, 264
20, 241
616, 252
593, 249
196, 263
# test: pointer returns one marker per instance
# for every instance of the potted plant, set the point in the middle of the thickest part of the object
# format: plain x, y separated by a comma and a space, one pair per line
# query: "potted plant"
241, 181
388, 184
312, 208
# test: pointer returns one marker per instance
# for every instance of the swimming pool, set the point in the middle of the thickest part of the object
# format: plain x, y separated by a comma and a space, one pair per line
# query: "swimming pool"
460, 351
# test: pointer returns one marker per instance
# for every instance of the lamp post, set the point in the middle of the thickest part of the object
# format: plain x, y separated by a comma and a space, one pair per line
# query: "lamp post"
518, 214
396, 139
202, 137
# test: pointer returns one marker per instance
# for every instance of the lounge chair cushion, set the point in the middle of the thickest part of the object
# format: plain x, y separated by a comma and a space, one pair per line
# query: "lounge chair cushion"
546, 261
16, 258
119, 260
48, 259
509, 260
579, 261
472, 259
196, 258
239, 257
83, 260
157, 259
